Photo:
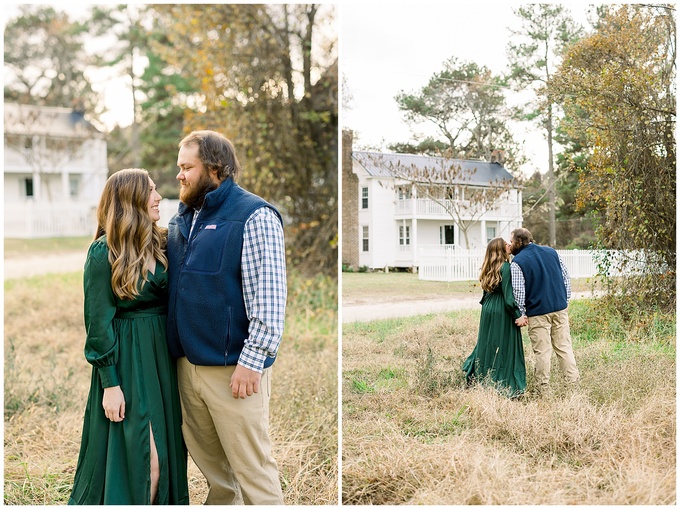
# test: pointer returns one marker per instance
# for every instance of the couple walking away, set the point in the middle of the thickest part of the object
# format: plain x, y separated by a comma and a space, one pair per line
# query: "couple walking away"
182, 327
533, 289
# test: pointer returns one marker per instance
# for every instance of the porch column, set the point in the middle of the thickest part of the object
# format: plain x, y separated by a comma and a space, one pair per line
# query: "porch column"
502, 227
414, 241
483, 226
520, 218
37, 186
414, 201
65, 188
414, 227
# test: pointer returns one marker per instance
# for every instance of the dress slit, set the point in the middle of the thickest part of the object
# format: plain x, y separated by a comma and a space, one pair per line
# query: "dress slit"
153, 448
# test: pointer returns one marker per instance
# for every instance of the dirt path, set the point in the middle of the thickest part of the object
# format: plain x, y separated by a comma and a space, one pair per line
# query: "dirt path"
15, 268
383, 310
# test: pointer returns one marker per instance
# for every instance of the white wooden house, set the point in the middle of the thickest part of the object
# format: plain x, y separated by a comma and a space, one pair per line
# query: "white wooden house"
55, 168
403, 216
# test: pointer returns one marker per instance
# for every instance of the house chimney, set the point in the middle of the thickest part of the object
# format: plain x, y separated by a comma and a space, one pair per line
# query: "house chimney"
350, 204
498, 156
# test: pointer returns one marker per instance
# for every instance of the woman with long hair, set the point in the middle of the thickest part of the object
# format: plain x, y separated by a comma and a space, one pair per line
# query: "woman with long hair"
132, 451
498, 356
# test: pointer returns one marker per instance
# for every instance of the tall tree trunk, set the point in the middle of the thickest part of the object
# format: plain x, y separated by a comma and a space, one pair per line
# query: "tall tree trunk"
551, 181
552, 237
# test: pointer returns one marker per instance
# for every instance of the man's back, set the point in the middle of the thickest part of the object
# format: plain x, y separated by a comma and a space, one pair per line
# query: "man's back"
543, 279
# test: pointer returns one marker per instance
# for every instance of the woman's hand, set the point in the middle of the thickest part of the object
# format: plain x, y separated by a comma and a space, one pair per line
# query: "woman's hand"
114, 404
522, 321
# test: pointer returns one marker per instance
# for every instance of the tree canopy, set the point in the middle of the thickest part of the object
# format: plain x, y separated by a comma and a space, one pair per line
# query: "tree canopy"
267, 78
618, 84
466, 105
45, 55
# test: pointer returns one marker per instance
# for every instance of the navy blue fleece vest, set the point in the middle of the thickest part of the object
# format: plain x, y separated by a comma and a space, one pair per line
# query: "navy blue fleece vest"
207, 318
543, 281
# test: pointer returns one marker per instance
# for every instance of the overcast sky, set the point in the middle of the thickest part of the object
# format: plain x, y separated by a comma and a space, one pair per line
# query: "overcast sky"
388, 49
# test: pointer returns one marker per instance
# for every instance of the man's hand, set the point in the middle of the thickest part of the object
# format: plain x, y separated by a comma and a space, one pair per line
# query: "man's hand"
244, 382
114, 404
522, 321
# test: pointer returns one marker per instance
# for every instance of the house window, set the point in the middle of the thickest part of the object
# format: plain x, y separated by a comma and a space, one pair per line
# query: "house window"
364, 197
446, 235
490, 233
404, 235
28, 187
403, 193
364, 239
74, 185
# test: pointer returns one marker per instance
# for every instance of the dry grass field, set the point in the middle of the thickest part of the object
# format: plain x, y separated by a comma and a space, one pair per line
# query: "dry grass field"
46, 382
413, 434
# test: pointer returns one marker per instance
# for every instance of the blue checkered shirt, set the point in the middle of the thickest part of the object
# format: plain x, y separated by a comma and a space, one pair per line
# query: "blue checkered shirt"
263, 268
263, 275
518, 288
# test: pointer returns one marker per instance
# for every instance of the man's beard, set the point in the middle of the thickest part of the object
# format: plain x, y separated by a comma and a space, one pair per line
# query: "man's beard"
193, 195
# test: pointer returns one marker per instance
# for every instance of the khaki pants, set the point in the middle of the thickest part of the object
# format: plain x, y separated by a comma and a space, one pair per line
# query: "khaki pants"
547, 333
228, 438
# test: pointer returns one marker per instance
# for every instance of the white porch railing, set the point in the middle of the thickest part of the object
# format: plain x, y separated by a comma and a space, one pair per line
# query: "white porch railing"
65, 219
449, 263
427, 208
445, 263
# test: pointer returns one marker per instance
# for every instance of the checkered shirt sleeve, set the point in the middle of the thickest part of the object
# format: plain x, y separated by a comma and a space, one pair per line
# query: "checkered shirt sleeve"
518, 290
263, 267
565, 276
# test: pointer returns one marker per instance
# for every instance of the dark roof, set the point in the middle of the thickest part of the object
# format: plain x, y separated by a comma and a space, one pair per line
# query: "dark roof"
32, 119
379, 164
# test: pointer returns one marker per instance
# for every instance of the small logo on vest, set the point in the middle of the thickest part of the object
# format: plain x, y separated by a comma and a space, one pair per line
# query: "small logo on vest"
211, 227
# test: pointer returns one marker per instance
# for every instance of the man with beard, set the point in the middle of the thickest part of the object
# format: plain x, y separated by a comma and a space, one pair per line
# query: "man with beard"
542, 289
227, 286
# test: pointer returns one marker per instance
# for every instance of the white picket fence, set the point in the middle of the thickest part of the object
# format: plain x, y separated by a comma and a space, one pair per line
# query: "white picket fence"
464, 264
66, 219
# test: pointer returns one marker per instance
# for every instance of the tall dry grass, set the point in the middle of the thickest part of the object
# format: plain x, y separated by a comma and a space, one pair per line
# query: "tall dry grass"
47, 379
414, 434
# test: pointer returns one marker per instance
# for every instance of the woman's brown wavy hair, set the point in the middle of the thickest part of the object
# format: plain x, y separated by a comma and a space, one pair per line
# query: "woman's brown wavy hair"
490, 276
133, 238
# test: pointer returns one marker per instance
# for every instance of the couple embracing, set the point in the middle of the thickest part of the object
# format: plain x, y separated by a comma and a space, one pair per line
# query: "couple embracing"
182, 327
533, 289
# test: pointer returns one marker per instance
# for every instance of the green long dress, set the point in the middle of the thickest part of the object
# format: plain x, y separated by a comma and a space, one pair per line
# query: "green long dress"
126, 345
498, 356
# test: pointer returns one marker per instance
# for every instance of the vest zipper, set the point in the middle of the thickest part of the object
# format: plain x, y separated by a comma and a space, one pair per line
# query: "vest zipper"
226, 339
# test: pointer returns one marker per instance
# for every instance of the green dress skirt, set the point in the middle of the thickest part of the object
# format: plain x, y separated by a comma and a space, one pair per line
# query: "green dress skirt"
126, 346
498, 356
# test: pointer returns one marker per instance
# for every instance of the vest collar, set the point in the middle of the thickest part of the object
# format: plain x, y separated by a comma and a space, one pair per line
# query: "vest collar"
523, 248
